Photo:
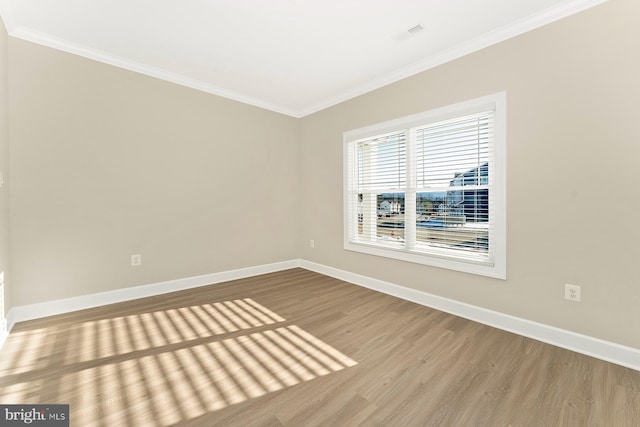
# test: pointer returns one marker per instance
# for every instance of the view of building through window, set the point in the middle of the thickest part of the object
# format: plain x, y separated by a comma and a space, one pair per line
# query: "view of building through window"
429, 188
457, 218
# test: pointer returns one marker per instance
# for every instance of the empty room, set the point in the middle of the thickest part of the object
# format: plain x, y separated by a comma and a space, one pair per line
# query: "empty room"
305, 213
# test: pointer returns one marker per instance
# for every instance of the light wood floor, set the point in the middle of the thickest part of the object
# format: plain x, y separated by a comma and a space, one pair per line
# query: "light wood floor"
296, 348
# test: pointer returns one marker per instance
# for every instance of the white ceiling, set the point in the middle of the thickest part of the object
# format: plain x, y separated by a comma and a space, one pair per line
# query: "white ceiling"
291, 56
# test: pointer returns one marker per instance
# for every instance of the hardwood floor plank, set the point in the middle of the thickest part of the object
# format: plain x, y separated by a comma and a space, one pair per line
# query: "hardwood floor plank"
296, 348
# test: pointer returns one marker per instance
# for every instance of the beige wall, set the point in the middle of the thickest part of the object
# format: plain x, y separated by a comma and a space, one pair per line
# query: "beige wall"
107, 163
573, 155
4, 169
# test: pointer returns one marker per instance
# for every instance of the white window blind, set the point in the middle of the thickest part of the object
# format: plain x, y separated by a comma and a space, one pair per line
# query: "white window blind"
453, 167
382, 163
432, 189
381, 183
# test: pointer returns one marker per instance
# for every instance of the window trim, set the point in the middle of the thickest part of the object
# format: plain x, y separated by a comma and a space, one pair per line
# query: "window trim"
498, 103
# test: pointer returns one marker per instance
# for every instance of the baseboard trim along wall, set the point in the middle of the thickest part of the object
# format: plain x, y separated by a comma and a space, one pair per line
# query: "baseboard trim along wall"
51, 308
590, 346
594, 347
5, 327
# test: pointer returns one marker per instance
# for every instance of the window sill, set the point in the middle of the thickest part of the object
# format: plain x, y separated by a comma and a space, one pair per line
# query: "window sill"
495, 270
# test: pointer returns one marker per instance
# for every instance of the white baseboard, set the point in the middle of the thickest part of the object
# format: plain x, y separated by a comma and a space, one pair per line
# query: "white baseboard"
6, 326
4, 329
605, 350
3, 337
66, 305
594, 347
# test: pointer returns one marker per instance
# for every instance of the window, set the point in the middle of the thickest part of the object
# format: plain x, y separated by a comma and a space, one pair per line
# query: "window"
430, 188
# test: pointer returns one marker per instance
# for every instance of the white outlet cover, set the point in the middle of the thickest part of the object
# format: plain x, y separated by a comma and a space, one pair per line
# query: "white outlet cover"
572, 292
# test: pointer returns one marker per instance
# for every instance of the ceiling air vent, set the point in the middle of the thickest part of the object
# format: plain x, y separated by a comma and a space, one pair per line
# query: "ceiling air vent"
415, 30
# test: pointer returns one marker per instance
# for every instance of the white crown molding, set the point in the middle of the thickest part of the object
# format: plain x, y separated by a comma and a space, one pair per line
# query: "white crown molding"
147, 70
548, 16
491, 38
6, 12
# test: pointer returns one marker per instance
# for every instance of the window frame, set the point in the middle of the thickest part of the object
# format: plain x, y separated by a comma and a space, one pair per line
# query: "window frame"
497, 269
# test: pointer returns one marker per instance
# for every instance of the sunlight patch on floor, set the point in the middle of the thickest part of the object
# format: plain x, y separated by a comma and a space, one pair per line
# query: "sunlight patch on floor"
165, 366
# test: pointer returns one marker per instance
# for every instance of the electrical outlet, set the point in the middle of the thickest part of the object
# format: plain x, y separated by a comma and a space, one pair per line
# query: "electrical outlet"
312, 244
136, 260
572, 292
